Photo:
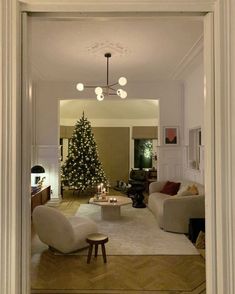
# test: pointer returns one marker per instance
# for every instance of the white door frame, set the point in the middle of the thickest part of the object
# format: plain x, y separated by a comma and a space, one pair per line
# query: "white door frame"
219, 224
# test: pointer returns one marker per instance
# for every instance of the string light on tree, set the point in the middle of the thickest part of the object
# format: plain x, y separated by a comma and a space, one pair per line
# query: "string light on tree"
82, 169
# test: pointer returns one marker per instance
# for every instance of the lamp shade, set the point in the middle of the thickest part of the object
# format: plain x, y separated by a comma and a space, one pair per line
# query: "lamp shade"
37, 169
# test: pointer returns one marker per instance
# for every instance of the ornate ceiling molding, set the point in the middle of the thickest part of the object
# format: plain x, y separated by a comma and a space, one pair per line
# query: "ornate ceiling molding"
188, 60
100, 48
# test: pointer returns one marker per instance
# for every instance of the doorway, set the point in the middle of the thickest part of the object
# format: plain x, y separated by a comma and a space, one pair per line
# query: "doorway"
50, 113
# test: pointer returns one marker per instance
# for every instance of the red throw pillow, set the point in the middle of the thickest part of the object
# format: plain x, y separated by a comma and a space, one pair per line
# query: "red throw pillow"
170, 188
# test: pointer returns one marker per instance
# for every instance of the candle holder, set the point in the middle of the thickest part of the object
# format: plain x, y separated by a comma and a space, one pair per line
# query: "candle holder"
107, 188
99, 189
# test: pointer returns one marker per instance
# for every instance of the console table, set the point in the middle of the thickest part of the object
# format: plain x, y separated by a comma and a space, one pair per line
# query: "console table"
40, 197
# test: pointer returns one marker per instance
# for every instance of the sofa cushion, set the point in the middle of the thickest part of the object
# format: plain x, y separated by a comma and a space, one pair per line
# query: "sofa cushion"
187, 183
186, 191
182, 189
193, 189
170, 188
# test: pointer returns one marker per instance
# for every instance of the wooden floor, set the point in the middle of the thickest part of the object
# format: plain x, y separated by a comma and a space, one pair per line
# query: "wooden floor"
122, 274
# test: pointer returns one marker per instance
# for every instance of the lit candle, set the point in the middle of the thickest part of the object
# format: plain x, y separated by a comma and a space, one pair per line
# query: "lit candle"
98, 188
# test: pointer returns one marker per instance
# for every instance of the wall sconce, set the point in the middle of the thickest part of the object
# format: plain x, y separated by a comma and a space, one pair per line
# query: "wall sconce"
37, 172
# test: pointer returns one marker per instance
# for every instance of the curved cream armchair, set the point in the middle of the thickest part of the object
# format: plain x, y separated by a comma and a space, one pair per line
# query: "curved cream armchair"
66, 234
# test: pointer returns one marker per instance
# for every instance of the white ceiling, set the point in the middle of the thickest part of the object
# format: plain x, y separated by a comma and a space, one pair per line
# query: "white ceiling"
143, 50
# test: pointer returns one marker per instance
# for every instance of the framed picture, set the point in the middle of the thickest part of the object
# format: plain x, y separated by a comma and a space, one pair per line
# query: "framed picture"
171, 135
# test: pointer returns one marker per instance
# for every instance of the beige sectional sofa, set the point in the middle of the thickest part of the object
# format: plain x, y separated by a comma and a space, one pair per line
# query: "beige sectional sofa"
173, 212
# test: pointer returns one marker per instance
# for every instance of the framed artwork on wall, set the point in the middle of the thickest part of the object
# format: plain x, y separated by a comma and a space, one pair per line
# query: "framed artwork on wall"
171, 135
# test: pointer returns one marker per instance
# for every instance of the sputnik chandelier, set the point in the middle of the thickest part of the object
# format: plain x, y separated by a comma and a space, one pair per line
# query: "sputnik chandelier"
108, 89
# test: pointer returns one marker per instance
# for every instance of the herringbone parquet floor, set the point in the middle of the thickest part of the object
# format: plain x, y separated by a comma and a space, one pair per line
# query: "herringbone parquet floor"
122, 274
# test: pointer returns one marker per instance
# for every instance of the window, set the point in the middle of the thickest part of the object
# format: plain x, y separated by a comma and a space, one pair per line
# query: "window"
143, 150
194, 148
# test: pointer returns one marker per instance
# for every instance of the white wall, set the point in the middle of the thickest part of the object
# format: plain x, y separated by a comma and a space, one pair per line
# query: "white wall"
48, 94
186, 111
193, 118
171, 115
113, 122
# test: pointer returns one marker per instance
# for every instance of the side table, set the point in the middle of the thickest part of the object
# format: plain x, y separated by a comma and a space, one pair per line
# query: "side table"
136, 194
195, 226
96, 239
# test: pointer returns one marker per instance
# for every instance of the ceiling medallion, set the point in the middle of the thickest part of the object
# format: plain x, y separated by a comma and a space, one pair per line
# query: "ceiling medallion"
99, 48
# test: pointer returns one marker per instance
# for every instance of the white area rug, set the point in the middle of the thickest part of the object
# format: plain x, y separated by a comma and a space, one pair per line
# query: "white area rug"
136, 233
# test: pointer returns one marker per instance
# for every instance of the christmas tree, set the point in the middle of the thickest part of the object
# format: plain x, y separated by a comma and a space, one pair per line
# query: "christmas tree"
82, 169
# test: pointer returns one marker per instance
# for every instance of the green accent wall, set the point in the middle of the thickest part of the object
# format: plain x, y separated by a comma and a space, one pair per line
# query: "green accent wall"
113, 145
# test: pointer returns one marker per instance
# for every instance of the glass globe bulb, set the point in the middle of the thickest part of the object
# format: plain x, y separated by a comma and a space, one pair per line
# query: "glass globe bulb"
80, 87
122, 81
98, 90
100, 97
119, 92
123, 94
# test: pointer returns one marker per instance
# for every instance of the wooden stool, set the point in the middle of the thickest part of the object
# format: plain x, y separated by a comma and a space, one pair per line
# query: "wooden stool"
96, 239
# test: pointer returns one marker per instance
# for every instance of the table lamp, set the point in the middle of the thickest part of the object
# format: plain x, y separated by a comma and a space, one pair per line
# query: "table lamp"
37, 172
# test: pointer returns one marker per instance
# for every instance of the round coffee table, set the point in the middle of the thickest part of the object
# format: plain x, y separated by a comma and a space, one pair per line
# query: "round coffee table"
111, 210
